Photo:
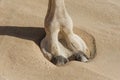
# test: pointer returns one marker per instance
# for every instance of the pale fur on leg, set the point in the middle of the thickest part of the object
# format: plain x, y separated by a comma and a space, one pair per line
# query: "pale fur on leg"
58, 20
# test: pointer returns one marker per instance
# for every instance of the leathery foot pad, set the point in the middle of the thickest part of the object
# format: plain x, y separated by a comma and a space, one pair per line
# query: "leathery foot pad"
59, 60
80, 56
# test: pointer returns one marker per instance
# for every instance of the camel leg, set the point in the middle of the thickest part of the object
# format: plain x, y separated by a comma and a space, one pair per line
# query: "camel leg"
75, 43
57, 20
52, 45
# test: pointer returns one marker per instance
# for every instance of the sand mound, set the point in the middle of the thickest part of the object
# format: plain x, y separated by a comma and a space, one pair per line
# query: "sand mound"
20, 36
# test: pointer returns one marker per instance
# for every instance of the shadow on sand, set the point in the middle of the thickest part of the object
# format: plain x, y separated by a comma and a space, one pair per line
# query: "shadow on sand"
35, 34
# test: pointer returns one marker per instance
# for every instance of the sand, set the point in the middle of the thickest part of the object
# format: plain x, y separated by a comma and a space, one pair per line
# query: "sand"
21, 30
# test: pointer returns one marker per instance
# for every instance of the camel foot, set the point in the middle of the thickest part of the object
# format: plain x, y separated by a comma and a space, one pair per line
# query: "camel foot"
80, 56
59, 60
